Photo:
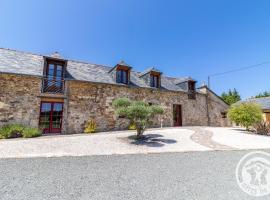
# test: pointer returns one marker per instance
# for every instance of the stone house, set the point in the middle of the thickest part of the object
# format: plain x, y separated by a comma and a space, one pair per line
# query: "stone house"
60, 95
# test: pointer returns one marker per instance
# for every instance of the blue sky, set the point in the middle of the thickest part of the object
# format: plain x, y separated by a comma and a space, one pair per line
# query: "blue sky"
181, 38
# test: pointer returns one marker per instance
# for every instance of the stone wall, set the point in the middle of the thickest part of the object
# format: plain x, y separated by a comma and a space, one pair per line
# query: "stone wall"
20, 103
216, 107
89, 100
18, 99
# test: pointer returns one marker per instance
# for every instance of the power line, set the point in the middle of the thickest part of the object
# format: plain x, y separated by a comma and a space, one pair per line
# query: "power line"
237, 70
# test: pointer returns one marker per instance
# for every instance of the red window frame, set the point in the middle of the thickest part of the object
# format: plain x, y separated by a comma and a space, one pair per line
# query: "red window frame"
54, 82
51, 129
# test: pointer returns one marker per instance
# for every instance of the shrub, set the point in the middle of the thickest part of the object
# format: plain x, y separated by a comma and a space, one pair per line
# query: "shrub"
138, 112
30, 132
262, 128
11, 131
18, 130
132, 126
90, 126
245, 114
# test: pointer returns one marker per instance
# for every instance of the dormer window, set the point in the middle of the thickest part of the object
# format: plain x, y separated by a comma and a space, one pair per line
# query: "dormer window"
191, 89
121, 73
53, 80
154, 80
191, 85
122, 76
152, 77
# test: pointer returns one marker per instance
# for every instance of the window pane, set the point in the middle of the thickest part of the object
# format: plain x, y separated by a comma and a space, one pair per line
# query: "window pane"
155, 81
118, 76
124, 78
58, 107
151, 81
59, 71
51, 70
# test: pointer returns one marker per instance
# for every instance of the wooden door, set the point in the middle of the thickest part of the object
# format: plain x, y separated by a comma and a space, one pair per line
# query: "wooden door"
267, 115
177, 115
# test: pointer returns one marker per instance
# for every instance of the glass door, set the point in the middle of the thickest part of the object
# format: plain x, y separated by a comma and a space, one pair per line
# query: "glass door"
50, 120
54, 78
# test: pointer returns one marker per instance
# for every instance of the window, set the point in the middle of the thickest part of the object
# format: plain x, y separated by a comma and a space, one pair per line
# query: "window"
191, 90
50, 120
223, 115
191, 86
122, 76
54, 74
154, 81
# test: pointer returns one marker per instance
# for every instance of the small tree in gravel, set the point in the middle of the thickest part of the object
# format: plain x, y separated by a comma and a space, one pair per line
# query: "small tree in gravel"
245, 114
138, 112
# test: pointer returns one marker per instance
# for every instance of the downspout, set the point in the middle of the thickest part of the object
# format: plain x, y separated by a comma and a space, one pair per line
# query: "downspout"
207, 106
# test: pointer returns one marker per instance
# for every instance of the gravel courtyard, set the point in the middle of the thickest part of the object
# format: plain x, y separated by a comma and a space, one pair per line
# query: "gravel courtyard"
159, 141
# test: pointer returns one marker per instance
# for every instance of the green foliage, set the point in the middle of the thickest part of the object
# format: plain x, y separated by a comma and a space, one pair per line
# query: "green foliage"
231, 97
138, 112
18, 130
132, 126
90, 126
121, 102
264, 94
245, 114
30, 132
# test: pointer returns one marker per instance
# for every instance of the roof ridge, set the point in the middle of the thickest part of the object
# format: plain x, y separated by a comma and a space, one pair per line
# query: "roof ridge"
36, 54
89, 63
21, 51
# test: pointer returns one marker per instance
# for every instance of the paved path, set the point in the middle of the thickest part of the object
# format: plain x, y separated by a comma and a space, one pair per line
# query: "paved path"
208, 175
204, 137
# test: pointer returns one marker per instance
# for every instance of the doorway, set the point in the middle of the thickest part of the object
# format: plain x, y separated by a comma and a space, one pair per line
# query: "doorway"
177, 115
50, 120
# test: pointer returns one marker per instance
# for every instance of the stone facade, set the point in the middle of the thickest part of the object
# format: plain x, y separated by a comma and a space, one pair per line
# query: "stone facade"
20, 99
19, 102
89, 100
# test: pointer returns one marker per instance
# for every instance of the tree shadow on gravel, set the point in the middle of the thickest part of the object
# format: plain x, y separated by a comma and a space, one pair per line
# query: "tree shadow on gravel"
151, 140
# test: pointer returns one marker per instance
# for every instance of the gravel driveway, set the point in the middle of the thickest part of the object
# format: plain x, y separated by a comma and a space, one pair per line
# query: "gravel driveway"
162, 140
109, 143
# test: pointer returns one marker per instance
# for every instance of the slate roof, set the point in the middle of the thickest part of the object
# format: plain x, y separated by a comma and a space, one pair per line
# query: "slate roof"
18, 62
264, 102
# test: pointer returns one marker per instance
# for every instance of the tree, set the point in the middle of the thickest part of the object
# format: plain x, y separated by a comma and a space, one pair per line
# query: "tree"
138, 112
245, 114
264, 94
231, 97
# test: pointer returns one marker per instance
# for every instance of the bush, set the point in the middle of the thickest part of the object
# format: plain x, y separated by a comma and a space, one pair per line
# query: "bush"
18, 130
262, 128
245, 114
11, 131
29, 132
90, 126
132, 126
138, 112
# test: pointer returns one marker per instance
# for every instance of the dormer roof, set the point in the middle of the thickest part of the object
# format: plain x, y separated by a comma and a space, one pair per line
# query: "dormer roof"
122, 64
184, 79
149, 70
